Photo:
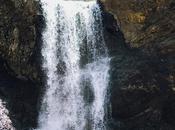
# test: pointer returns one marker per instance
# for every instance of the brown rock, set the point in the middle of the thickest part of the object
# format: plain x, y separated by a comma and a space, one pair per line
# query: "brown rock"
145, 23
18, 36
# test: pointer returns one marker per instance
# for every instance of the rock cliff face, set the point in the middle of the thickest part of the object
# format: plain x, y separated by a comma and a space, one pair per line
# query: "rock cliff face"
20, 30
146, 23
143, 72
18, 37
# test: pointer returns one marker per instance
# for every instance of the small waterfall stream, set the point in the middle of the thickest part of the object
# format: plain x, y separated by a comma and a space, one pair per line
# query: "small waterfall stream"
5, 121
76, 63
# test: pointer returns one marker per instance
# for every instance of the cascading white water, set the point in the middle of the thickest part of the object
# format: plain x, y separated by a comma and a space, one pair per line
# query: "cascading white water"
5, 122
76, 64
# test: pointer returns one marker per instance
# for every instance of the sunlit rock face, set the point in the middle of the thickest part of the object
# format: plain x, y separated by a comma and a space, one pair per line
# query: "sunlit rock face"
145, 23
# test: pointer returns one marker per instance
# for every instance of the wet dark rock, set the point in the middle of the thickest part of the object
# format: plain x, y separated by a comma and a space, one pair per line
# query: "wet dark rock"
21, 97
20, 72
142, 71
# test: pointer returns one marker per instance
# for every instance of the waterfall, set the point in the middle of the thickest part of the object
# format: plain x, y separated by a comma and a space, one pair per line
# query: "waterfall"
76, 63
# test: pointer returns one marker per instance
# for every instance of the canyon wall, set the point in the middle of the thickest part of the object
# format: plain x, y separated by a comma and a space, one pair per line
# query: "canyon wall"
19, 37
142, 76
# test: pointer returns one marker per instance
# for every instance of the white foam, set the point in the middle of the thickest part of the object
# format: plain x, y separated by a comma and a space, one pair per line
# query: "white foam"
71, 25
